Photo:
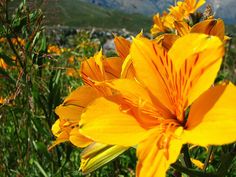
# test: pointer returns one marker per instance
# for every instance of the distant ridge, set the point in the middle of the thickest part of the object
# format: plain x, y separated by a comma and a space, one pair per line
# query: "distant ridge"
223, 8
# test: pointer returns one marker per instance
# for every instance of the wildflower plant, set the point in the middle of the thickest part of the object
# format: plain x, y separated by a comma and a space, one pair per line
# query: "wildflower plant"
33, 79
158, 96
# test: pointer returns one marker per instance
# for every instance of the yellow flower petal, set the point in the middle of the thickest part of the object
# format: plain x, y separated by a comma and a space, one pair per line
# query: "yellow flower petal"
137, 96
56, 128
137, 100
75, 103
197, 163
212, 118
190, 6
166, 40
98, 57
191, 44
182, 28
112, 67
128, 68
92, 69
198, 65
150, 61
131, 90
154, 161
212, 27
61, 129
104, 122
3, 65
178, 11
77, 139
163, 23
122, 46
62, 133
59, 140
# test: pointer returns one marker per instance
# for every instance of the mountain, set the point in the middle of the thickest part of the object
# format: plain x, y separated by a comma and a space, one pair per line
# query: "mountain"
146, 7
77, 13
224, 9
133, 15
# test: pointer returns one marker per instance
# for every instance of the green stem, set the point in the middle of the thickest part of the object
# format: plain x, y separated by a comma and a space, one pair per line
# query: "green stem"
186, 158
191, 172
15, 121
210, 151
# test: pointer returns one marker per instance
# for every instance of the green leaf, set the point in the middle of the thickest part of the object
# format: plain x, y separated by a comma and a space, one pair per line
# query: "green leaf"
2, 31
41, 148
40, 168
18, 23
43, 46
37, 123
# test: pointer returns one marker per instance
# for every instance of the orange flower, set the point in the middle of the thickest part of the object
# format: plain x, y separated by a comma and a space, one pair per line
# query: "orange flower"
214, 27
191, 6
183, 9
97, 68
71, 59
93, 69
2, 39
72, 72
54, 49
164, 23
122, 47
21, 41
66, 127
3, 64
2, 100
153, 110
17, 41
179, 13
166, 40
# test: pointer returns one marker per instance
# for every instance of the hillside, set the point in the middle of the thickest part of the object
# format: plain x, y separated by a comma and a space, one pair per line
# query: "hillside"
81, 14
133, 15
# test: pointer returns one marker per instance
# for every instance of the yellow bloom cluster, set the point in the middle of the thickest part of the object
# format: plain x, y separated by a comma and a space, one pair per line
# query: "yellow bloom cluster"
54, 49
15, 41
179, 14
3, 65
18, 41
2, 100
141, 97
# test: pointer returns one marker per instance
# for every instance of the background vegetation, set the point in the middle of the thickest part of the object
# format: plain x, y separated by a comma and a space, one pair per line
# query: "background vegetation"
76, 13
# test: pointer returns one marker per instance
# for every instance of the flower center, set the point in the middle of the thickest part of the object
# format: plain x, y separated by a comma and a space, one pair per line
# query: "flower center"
168, 129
